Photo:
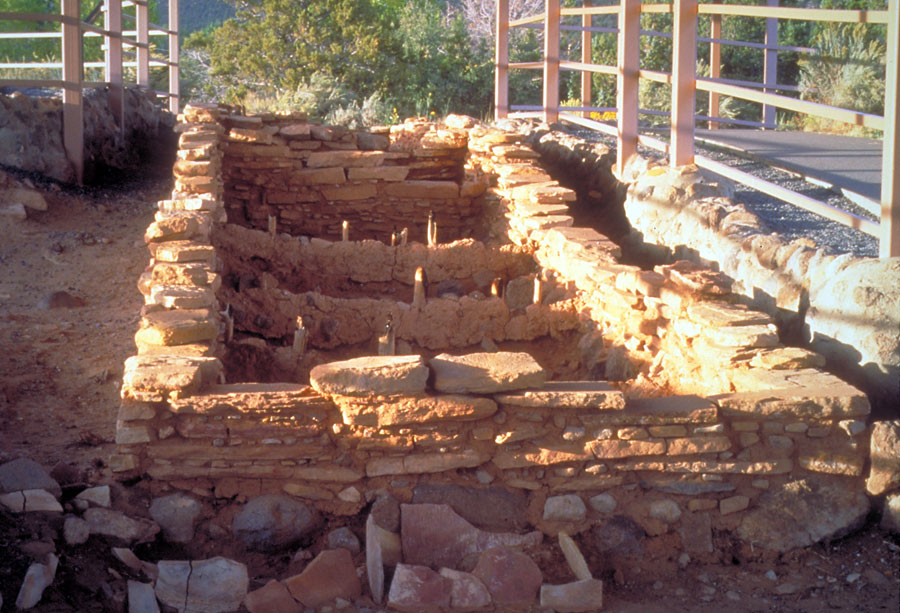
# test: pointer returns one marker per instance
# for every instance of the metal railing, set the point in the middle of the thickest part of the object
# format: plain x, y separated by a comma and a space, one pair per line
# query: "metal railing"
685, 83
72, 33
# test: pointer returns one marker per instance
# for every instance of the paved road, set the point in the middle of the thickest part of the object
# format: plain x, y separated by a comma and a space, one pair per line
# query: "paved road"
847, 162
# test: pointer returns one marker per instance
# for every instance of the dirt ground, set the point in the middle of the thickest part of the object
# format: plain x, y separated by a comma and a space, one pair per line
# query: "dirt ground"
60, 370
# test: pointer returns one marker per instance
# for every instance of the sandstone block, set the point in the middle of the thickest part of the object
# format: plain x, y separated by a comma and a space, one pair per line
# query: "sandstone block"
422, 189
512, 578
787, 358
698, 444
380, 173
370, 375
614, 448
214, 585
345, 159
273, 596
178, 327
399, 410
185, 251
418, 588
594, 395
567, 508
884, 452
733, 504
350, 192
584, 595
330, 575
486, 373
467, 592
833, 399
318, 176
272, 521
182, 297
742, 336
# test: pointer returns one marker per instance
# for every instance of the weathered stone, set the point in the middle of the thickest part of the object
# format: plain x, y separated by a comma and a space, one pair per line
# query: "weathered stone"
583, 595
371, 375
723, 314
30, 501
178, 327
383, 411
656, 411
141, 598
512, 578
696, 532
567, 508
787, 358
665, 510
801, 513
345, 159
890, 514
38, 577
619, 537
615, 448
202, 586
418, 588
26, 474
98, 496
884, 453
832, 399
733, 504
698, 444
573, 556
374, 560
75, 530
487, 508
486, 373
434, 535
596, 395
273, 596
113, 523
176, 515
833, 463
155, 378
603, 503
271, 522
343, 538
467, 592
692, 488
330, 575
424, 463
422, 189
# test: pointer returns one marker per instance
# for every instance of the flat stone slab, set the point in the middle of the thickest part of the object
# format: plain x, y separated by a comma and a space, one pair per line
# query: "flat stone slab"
486, 373
584, 595
241, 398
656, 411
722, 314
26, 474
387, 375
596, 395
831, 399
419, 408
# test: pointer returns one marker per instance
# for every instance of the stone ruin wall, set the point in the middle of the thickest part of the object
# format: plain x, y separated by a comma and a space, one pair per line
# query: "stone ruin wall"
843, 307
710, 422
31, 134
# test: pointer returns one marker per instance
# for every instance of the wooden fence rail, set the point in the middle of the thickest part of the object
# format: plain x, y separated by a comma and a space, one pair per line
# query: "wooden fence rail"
72, 33
685, 83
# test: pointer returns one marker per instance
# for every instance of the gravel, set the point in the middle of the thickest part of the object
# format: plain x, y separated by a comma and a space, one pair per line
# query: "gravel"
782, 218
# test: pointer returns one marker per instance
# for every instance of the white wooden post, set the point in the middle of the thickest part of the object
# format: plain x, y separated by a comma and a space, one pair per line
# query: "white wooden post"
770, 66
684, 80
112, 22
890, 176
501, 61
715, 66
551, 60
73, 110
586, 58
174, 52
142, 20
627, 65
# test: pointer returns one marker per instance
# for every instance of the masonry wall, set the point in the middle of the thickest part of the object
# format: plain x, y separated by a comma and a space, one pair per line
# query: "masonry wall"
706, 410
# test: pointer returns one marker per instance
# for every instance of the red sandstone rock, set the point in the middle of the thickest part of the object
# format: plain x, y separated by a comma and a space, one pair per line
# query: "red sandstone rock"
467, 592
512, 578
330, 575
418, 588
274, 596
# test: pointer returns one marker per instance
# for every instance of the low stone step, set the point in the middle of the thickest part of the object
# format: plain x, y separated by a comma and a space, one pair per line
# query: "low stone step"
594, 395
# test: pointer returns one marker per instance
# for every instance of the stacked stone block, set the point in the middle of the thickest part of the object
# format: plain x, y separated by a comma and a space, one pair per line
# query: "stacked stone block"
710, 413
311, 178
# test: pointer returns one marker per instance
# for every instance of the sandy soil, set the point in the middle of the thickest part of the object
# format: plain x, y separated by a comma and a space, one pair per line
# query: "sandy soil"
60, 369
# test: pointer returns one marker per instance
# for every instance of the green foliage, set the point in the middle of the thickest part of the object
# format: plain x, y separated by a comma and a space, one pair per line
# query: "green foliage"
848, 72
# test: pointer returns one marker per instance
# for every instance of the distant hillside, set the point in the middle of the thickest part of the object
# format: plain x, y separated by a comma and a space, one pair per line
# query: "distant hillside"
197, 14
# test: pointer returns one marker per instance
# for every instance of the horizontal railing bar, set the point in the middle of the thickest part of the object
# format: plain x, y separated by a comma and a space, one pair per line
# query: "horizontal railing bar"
778, 12
653, 143
655, 75
592, 109
594, 10
590, 29
39, 83
781, 86
525, 20
656, 8
6, 16
526, 65
743, 43
739, 122
525, 107
31, 65
600, 68
30, 34
793, 104
590, 124
776, 191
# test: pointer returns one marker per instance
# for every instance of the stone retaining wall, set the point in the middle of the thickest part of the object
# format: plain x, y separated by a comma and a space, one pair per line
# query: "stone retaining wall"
845, 308
710, 428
